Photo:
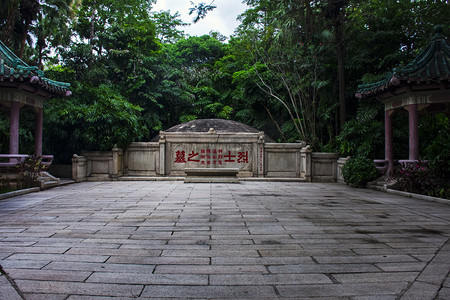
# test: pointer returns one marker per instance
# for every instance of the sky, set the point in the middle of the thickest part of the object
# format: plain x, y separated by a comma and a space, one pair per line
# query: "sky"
221, 19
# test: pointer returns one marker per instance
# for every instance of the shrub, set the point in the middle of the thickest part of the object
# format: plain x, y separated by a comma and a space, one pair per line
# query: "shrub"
29, 172
359, 171
363, 136
22, 176
420, 179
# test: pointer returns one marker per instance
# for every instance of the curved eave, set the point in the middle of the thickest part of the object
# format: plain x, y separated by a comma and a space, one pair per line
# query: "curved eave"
432, 66
26, 75
15, 71
40, 87
373, 89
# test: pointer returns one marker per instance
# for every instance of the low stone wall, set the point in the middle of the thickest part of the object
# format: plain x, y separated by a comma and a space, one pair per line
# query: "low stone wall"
174, 152
324, 167
79, 168
283, 160
142, 159
98, 165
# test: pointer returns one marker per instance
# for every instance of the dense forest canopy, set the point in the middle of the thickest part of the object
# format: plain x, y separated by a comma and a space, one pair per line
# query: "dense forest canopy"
291, 69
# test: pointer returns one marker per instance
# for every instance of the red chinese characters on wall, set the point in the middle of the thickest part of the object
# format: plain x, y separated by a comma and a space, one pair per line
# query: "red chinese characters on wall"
180, 157
215, 157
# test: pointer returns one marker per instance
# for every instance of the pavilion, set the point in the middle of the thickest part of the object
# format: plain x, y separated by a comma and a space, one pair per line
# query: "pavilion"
25, 87
423, 86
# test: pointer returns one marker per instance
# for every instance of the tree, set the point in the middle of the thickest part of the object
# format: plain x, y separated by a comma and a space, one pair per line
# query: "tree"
8, 15
196, 58
166, 26
201, 10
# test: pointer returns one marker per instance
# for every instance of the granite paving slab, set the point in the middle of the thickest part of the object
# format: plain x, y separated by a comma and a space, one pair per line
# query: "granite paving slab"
253, 240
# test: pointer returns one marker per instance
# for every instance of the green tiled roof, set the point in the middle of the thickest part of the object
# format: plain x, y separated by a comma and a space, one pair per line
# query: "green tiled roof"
431, 66
13, 69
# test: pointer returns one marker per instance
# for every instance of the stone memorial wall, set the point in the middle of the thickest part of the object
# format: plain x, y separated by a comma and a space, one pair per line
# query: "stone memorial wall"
173, 152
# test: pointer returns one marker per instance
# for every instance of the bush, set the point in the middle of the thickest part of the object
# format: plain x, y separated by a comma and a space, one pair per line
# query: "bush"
359, 171
23, 176
420, 179
363, 136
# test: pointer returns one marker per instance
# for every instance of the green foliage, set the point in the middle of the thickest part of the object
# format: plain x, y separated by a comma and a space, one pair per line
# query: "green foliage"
432, 176
134, 72
358, 171
4, 133
166, 26
29, 172
437, 150
203, 50
96, 118
363, 136
22, 176
201, 10
418, 178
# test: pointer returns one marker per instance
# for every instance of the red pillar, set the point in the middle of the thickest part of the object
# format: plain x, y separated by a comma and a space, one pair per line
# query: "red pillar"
413, 131
388, 140
14, 128
39, 120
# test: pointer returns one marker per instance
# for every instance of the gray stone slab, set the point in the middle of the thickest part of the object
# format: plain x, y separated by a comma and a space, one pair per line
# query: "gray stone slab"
341, 290
377, 277
210, 292
323, 268
261, 240
58, 257
80, 297
78, 288
51, 275
421, 290
7, 291
30, 296
212, 253
260, 260
24, 264
447, 282
113, 252
34, 249
100, 267
210, 269
444, 293
180, 260
308, 252
269, 279
133, 278
365, 259
401, 266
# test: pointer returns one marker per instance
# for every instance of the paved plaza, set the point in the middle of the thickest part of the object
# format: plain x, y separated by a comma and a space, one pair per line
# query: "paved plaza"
262, 240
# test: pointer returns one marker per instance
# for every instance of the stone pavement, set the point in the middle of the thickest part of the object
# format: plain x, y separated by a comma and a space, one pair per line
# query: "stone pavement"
262, 240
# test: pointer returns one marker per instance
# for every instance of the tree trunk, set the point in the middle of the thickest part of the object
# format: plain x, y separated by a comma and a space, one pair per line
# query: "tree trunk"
24, 39
339, 40
9, 26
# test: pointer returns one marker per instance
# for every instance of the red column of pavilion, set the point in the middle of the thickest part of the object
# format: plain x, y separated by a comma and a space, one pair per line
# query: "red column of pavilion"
38, 128
14, 128
389, 140
413, 131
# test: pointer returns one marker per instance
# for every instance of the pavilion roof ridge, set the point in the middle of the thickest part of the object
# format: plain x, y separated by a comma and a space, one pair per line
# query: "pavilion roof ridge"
431, 65
12, 68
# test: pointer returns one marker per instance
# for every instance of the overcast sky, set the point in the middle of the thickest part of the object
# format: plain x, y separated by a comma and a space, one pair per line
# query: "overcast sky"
221, 19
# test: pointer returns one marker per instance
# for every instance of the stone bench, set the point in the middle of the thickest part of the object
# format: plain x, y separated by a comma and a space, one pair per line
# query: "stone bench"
211, 175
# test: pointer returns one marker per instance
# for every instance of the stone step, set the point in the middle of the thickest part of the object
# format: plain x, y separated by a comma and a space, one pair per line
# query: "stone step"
50, 184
